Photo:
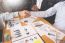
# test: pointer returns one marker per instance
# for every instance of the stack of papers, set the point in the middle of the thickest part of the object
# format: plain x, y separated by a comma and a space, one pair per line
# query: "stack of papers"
32, 39
26, 34
49, 31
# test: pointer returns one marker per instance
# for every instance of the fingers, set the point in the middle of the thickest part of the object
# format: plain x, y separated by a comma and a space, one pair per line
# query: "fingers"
27, 14
24, 14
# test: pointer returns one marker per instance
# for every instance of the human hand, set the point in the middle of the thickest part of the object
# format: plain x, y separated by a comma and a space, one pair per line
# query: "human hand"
24, 14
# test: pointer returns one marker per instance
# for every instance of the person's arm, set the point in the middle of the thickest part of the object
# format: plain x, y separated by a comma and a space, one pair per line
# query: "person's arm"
51, 11
8, 16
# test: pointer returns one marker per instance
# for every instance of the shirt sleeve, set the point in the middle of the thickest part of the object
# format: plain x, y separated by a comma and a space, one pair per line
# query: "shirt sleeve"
8, 16
49, 12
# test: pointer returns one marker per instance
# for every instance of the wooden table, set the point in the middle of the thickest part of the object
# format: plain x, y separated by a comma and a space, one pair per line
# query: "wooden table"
46, 39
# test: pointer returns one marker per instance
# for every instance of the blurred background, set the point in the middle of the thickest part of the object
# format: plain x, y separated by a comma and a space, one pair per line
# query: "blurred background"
15, 5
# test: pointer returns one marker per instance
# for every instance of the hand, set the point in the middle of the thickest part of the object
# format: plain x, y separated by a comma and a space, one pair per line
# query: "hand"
34, 8
24, 14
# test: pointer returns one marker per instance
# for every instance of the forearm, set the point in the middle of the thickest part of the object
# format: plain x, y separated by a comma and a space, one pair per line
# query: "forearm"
37, 13
8, 15
51, 11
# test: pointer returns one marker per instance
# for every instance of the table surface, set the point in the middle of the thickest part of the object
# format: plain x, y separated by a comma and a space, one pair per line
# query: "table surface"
8, 31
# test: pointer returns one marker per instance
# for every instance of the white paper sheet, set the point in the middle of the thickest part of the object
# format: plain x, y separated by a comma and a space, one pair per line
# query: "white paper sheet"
24, 31
49, 31
30, 39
